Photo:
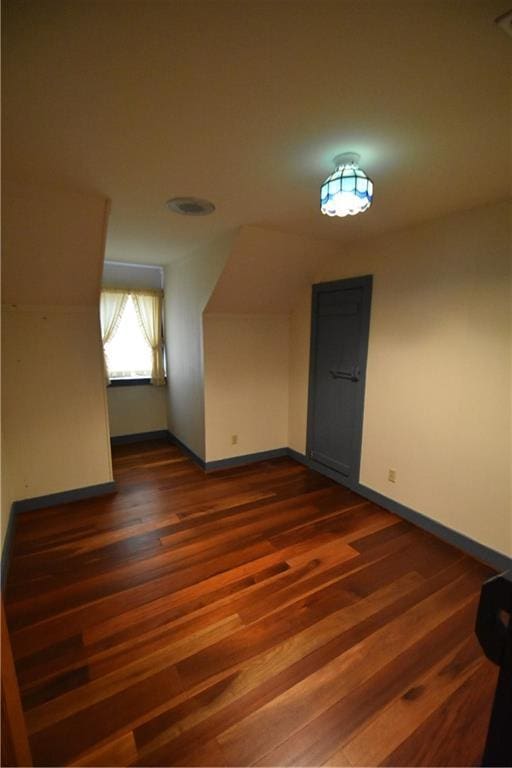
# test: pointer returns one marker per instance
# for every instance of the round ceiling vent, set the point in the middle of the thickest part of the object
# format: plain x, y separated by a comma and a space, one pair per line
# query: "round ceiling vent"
190, 206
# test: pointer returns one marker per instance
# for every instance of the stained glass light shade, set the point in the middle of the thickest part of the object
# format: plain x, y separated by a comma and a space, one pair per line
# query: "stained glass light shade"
347, 191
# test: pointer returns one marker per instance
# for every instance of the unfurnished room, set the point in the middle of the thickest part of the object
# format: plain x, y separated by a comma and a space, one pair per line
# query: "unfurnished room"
256, 383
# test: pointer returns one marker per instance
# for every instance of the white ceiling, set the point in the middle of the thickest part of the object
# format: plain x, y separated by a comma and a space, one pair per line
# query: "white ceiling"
246, 103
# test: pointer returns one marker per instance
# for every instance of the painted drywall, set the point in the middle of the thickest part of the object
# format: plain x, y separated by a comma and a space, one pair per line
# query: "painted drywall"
55, 422
122, 275
6, 494
53, 241
246, 383
136, 409
188, 286
437, 405
267, 270
53, 400
246, 339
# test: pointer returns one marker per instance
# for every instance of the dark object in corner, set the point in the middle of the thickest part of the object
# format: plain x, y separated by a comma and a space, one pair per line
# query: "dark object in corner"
494, 632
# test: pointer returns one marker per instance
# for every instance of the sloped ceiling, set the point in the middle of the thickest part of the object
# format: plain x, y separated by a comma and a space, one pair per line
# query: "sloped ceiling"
266, 272
246, 103
53, 244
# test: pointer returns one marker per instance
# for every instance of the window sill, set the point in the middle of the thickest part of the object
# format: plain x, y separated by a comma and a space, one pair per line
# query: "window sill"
129, 382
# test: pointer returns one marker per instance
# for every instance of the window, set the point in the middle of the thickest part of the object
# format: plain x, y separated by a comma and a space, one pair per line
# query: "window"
131, 329
128, 354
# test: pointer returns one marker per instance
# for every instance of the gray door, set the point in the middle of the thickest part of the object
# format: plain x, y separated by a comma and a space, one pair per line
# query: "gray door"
339, 344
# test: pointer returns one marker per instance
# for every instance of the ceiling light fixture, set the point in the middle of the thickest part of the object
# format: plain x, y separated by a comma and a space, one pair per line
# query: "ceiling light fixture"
190, 206
348, 190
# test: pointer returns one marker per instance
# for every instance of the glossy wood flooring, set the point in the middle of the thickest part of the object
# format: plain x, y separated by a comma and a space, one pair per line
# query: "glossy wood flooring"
257, 616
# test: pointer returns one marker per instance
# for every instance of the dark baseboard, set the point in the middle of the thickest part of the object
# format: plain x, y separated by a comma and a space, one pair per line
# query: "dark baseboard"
486, 554
64, 497
40, 502
492, 557
138, 437
248, 458
299, 457
6, 547
195, 458
233, 461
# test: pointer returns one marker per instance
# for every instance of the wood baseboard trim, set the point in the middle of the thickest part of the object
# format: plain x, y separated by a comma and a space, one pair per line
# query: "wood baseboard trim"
232, 461
248, 458
299, 457
7, 545
138, 437
64, 497
482, 552
188, 451
41, 502
497, 560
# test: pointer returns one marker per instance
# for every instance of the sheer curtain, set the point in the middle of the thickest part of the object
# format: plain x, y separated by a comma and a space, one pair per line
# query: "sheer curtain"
112, 304
148, 306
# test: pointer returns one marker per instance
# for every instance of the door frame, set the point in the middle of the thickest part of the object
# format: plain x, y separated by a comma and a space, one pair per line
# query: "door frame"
366, 283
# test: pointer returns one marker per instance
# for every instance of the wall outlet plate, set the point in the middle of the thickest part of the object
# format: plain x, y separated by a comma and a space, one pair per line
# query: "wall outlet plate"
392, 475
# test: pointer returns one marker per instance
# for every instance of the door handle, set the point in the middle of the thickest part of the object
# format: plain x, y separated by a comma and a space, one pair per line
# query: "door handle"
352, 375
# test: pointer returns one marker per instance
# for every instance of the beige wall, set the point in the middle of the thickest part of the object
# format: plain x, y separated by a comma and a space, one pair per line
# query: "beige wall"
246, 383
6, 493
188, 286
55, 424
246, 342
437, 405
136, 409
267, 270
53, 398
53, 243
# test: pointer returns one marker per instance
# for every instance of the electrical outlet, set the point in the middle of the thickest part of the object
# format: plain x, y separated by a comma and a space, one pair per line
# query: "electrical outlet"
392, 475
234, 439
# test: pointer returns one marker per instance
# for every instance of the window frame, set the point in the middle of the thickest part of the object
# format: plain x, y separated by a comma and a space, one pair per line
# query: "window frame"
137, 381
126, 382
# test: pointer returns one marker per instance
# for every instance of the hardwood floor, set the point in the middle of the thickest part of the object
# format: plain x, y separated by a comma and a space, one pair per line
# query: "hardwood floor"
256, 616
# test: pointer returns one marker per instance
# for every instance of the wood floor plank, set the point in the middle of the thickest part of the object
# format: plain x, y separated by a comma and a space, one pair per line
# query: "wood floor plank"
159, 661
119, 751
388, 729
261, 615
322, 738
454, 734
286, 713
261, 679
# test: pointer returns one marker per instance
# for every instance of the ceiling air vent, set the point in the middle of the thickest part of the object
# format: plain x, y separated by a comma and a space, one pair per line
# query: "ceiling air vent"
190, 206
